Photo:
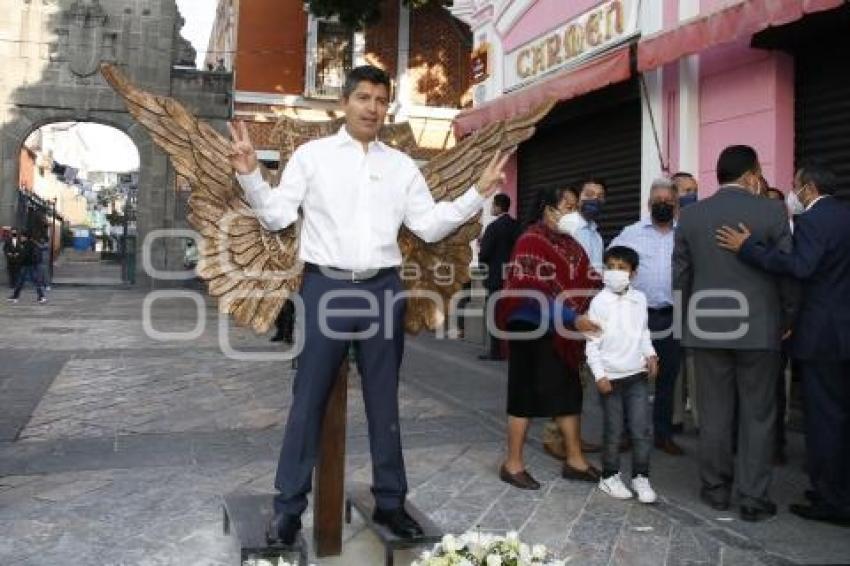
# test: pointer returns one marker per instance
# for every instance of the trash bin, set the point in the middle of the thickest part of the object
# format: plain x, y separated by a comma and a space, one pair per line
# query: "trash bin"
82, 239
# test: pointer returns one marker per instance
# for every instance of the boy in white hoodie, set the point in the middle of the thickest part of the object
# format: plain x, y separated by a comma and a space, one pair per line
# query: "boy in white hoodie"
622, 360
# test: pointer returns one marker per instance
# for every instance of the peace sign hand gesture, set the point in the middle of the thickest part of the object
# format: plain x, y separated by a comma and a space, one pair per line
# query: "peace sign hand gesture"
243, 158
493, 176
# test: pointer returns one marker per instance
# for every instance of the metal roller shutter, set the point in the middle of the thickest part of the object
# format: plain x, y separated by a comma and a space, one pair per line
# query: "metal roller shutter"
820, 45
598, 135
823, 109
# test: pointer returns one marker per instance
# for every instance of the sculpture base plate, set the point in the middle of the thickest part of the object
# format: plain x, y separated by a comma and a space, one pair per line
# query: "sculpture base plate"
359, 496
246, 516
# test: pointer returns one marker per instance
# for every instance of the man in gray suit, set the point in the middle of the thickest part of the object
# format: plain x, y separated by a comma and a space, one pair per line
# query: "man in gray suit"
735, 317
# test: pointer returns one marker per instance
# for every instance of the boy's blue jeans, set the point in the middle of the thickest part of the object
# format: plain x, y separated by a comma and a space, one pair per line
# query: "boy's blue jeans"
630, 394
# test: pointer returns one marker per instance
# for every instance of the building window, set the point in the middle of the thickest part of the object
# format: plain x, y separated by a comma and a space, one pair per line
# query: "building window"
332, 59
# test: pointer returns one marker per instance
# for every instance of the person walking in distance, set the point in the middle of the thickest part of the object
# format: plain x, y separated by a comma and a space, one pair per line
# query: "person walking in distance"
28, 260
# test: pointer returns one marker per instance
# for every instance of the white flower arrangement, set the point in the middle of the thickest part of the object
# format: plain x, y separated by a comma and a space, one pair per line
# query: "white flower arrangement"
483, 549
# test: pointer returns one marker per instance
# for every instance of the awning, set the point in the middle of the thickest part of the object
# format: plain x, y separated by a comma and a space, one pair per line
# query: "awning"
603, 71
737, 21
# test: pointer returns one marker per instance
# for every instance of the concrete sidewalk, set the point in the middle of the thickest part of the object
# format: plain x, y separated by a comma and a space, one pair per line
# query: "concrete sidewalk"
116, 448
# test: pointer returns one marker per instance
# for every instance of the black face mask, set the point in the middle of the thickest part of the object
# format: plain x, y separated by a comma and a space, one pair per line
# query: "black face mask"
662, 212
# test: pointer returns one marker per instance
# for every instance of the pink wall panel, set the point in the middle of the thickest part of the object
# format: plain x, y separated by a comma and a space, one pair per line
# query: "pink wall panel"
724, 57
757, 130
543, 16
738, 92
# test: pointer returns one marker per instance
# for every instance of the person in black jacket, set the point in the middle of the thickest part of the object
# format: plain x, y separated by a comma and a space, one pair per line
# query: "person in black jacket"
820, 340
29, 258
495, 251
11, 249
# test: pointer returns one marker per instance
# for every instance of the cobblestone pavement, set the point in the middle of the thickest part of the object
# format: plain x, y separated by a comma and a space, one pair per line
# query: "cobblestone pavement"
116, 449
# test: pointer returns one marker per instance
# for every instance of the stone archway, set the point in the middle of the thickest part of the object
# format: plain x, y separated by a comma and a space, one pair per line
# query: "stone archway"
57, 80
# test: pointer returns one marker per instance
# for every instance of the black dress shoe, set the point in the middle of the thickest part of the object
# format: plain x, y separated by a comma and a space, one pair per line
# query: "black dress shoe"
668, 446
820, 512
283, 529
521, 480
812, 496
398, 521
490, 358
757, 511
717, 499
589, 474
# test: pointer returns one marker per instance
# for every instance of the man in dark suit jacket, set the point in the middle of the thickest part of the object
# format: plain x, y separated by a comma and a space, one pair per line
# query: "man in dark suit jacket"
495, 251
820, 258
735, 316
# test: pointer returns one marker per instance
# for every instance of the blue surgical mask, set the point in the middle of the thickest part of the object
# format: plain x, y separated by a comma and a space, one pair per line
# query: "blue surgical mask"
687, 199
591, 209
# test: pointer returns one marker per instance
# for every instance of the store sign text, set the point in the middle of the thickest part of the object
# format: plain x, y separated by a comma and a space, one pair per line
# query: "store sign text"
589, 33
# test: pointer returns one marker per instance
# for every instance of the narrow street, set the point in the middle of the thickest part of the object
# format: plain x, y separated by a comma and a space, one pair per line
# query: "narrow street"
116, 449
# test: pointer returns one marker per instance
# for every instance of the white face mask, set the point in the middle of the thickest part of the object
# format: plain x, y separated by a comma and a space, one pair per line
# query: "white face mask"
792, 201
616, 280
570, 222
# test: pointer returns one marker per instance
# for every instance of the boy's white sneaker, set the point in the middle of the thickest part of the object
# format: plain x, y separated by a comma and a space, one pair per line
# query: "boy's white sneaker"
645, 493
615, 487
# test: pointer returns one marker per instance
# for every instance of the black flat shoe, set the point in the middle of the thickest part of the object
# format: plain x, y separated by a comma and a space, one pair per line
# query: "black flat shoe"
398, 521
719, 501
819, 512
589, 474
521, 480
283, 530
754, 512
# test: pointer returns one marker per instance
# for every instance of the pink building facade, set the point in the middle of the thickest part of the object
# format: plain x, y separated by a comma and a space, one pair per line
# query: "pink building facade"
690, 107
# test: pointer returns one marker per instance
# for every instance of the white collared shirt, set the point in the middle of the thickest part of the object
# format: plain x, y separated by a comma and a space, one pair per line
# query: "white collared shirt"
354, 202
624, 345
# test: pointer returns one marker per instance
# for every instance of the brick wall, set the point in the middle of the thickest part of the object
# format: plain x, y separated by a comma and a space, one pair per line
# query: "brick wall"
382, 39
440, 58
271, 41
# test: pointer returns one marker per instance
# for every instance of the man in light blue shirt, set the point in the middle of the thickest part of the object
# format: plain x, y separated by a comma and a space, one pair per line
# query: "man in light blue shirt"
591, 201
653, 239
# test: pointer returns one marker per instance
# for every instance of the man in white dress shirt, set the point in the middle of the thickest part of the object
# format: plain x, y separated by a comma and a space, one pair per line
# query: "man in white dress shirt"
354, 193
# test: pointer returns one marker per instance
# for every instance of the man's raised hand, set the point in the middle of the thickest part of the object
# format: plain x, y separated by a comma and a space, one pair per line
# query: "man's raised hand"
243, 158
493, 176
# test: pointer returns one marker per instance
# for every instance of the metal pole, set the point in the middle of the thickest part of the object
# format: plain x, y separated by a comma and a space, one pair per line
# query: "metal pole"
51, 236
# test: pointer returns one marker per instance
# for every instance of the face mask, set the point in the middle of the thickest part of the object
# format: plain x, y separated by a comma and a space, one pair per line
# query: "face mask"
792, 201
570, 222
662, 212
687, 199
591, 209
615, 280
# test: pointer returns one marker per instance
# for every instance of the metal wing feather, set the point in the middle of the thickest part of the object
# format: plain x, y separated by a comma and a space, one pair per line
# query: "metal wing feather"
443, 267
249, 270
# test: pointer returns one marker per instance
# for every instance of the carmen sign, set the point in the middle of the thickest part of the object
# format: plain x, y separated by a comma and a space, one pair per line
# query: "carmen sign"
597, 29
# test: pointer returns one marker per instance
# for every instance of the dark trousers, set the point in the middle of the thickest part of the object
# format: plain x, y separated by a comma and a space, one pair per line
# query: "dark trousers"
630, 394
285, 322
28, 273
494, 345
826, 387
750, 377
378, 359
12, 270
669, 353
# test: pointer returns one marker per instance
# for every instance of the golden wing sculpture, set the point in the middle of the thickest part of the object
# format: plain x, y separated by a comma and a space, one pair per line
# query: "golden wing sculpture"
250, 270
